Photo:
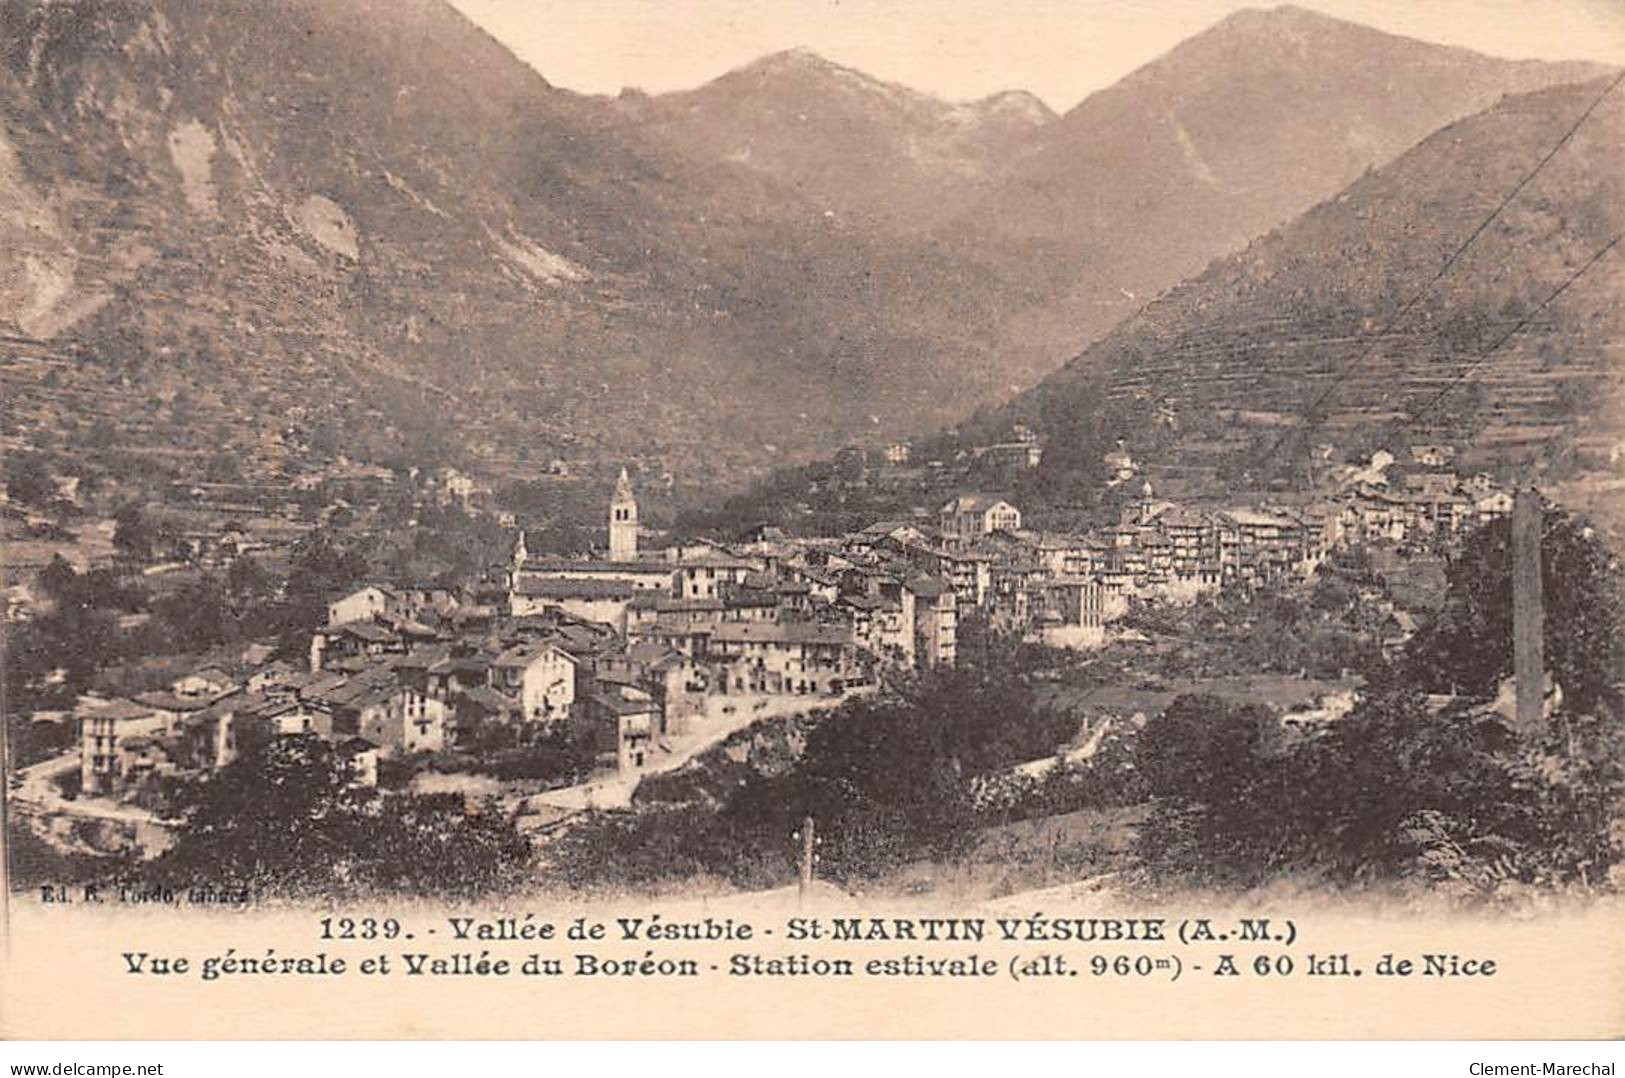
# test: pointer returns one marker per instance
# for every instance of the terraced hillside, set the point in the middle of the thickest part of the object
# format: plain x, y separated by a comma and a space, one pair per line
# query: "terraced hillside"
1337, 334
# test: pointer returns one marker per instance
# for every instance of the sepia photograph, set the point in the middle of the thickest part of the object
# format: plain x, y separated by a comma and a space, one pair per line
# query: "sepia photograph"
813, 492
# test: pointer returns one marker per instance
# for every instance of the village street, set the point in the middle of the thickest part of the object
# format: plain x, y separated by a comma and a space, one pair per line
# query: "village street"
725, 716
36, 793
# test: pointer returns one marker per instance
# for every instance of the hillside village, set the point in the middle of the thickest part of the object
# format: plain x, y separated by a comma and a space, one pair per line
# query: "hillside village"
311, 451
631, 659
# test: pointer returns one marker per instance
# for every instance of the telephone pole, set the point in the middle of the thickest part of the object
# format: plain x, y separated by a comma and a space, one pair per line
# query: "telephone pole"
1528, 610
806, 876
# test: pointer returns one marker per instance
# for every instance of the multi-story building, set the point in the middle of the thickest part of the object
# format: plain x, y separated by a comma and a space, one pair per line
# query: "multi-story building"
796, 657
540, 676
114, 737
936, 621
1074, 613
971, 516
363, 604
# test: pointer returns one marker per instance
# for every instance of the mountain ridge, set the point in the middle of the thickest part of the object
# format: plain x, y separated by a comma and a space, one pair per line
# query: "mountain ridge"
852, 143
387, 180
379, 201
1351, 328
1232, 132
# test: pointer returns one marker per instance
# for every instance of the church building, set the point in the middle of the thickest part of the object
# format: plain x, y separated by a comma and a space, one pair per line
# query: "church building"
593, 588
623, 521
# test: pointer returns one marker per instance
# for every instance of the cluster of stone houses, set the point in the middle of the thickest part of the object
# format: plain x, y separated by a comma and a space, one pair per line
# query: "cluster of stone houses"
395, 671
1429, 507
1066, 588
629, 647
619, 651
704, 619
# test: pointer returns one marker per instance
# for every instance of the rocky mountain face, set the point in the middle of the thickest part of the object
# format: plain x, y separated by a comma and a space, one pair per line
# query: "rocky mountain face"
370, 218
1351, 329
379, 198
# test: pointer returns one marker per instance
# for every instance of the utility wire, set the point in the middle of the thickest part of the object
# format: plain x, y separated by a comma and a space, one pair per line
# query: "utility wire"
1479, 360
1448, 264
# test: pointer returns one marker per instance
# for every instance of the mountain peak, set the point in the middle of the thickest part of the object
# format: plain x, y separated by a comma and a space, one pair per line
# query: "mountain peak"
1016, 104
1291, 23
808, 76
1307, 295
800, 58
1281, 15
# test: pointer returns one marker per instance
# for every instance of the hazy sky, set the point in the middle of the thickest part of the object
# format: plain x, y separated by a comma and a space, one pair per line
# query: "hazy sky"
961, 49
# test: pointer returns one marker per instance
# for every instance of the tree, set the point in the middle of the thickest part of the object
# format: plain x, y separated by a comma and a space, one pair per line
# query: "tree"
28, 480
285, 818
1396, 792
321, 566
554, 755
888, 781
1468, 647
1240, 801
1200, 749
59, 580
1332, 593
1072, 470
247, 580
132, 535
197, 616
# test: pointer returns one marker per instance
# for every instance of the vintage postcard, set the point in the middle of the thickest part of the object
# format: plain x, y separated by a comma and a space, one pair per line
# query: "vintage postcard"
836, 519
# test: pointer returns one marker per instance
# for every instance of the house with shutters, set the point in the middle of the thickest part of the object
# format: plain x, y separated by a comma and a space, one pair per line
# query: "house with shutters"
541, 676
363, 604
114, 736
971, 516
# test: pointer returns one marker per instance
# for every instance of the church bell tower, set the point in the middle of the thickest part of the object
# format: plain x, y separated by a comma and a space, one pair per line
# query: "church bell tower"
623, 521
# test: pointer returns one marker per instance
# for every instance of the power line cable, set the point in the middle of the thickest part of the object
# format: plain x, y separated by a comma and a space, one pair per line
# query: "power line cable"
1448, 264
1479, 360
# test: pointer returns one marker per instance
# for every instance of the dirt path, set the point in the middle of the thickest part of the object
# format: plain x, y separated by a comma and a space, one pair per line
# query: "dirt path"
37, 794
675, 752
